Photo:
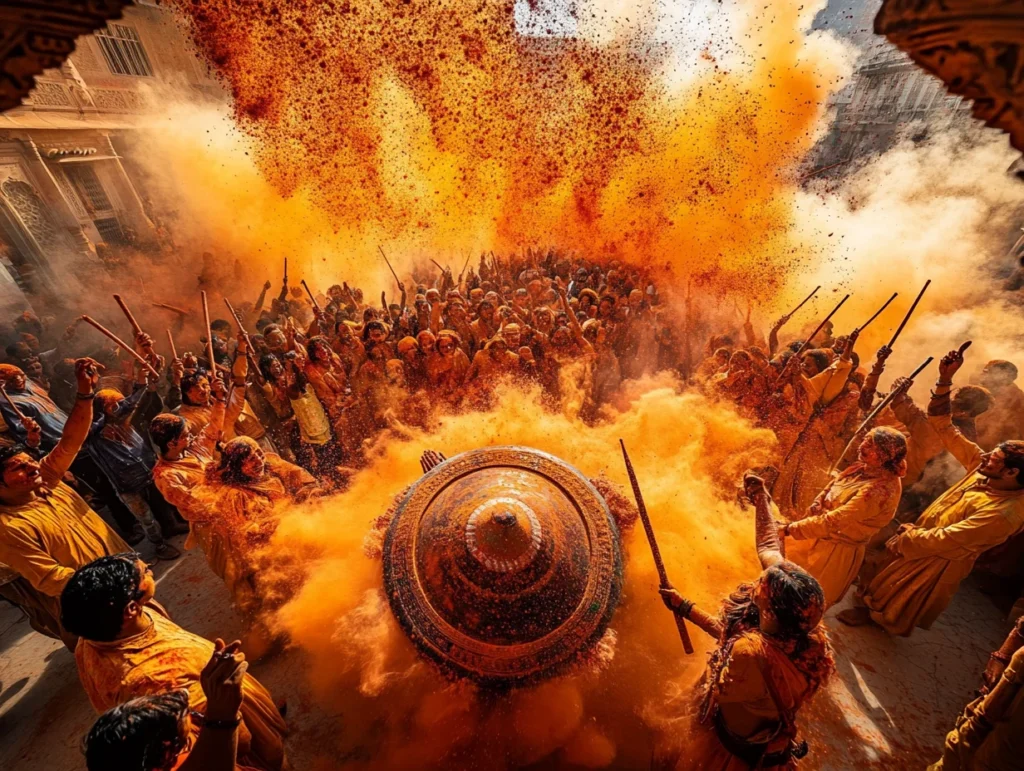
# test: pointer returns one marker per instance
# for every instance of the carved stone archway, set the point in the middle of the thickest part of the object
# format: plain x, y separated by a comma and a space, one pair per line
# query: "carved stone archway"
39, 34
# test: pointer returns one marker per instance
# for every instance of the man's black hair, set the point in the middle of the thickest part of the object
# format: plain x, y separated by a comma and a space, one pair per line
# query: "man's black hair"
1014, 452
95, 597
266, 360
166, 428
137, 735
190, 380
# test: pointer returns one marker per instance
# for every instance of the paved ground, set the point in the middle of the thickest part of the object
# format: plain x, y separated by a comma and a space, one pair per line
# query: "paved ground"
889, 708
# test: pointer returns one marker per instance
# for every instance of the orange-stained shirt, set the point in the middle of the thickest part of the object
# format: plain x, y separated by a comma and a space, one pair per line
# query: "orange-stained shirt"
165, 658
52, 536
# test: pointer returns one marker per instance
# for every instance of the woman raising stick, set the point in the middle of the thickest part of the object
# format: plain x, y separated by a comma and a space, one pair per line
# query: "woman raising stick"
772, 656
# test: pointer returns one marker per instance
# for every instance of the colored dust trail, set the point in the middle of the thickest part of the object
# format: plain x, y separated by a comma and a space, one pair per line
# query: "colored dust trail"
397, 712
440, 125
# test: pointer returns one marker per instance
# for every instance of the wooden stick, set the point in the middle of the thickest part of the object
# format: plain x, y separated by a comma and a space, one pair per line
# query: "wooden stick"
235, 317
11, 404
248, 341
169, 307
311, 298
796, 356
286, 270
438, 265
170, 340
909, 313
120, 343
801, 305
684, 635
388, 263
463, 271
858, 434
131, 319
878, 312
209, 334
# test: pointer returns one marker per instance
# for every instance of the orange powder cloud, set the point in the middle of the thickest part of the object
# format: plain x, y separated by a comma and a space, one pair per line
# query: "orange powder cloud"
399, 712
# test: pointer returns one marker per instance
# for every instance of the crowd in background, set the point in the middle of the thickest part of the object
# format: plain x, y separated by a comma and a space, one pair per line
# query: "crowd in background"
287, 396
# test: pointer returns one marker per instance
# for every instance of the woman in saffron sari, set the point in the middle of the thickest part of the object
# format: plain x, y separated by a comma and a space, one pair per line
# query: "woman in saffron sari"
772, 656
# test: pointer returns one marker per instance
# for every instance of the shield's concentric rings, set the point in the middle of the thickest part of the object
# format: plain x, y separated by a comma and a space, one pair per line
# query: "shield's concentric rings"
503, 565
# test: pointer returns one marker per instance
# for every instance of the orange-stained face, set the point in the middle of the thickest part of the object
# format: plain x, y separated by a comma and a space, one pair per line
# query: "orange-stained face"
21, 474
254, 465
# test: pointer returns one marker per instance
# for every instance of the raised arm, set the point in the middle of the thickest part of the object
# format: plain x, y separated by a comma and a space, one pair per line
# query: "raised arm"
867, 394
76, 429
940, 413
435, 318
221, 681
773, 335
770, 548
574, 323
258, 307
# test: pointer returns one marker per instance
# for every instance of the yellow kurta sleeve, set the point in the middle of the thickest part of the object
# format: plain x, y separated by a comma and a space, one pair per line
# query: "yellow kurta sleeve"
177, 489
21, 549
962, 540
57, 462
862, 506
824, 387
959, 446
292, 477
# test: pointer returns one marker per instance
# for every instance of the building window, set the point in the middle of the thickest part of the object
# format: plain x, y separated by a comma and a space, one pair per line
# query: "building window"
84, 178
123, 51
110, 231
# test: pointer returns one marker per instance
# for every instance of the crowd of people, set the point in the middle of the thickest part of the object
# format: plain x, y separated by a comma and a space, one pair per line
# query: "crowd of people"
277, 404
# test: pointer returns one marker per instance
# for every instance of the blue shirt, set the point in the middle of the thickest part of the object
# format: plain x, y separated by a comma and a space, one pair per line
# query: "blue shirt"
36, 404
119, 450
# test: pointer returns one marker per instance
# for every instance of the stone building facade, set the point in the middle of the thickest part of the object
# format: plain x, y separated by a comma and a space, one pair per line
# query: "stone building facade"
888, 99
67, 193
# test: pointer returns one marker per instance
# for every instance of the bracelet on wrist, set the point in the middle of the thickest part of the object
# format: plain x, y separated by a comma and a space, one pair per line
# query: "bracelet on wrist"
220, 725
86, 397
999, 656
941, 384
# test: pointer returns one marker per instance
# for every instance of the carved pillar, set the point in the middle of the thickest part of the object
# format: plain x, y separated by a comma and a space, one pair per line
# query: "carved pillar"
134, 211
975, 46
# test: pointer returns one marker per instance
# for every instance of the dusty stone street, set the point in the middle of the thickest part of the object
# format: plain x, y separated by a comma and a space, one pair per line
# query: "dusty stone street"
890, 707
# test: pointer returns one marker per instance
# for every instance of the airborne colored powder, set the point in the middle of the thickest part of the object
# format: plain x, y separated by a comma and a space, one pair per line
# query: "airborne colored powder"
659, 132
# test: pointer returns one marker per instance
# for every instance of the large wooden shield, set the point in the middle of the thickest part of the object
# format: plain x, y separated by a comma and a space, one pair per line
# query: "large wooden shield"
503, 565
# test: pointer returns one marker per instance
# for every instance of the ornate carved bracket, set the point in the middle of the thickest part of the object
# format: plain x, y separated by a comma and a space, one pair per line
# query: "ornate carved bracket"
35, 36
975, 46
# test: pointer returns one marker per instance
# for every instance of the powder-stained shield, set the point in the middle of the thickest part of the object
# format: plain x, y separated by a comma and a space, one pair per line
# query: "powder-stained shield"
503, 565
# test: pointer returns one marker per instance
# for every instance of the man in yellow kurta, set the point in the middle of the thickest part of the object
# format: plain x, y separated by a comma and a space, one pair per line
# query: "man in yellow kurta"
934, 555
128, 648
989, 733
246, 491
182, 466
47, 531
830, 543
